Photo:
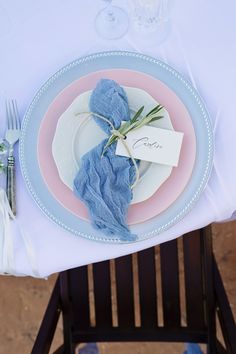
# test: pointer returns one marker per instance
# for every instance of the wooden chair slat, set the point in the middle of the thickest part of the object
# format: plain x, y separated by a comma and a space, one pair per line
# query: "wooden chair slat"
73, 292
78, 285
102, 294
147, 288
125, 292
48, 326
170, 283
193, 280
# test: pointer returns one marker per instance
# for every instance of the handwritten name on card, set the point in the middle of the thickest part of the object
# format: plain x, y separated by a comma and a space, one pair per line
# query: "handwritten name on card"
153, 144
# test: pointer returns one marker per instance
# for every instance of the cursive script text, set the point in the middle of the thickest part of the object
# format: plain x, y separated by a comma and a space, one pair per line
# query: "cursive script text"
145, 141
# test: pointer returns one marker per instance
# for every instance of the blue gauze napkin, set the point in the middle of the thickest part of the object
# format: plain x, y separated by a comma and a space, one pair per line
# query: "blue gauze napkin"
192, 348
104, 183
89, 348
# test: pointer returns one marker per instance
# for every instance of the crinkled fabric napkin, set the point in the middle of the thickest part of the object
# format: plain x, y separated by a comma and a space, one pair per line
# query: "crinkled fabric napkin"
104, 183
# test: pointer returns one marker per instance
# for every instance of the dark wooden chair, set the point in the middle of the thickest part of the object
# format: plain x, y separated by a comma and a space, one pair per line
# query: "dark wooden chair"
126, 303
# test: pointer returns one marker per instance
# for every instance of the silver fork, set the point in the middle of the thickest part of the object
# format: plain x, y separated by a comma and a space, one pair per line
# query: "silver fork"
12, 136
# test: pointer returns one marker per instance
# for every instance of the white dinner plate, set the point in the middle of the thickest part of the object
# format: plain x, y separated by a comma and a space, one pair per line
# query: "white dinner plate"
74, 138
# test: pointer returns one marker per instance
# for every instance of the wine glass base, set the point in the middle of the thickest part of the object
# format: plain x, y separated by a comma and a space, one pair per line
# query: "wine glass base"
113, 24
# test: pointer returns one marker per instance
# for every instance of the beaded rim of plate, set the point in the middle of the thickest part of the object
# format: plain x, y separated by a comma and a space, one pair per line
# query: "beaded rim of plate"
187, 208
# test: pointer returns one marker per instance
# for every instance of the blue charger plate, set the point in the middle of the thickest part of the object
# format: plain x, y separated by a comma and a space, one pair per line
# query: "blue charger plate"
114, 60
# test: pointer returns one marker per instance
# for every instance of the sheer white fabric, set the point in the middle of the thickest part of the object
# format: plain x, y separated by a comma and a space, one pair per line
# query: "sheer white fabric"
40, 37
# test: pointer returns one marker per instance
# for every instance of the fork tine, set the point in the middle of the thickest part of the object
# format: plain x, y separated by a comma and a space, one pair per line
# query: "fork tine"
8, 115
13, 114
16, 114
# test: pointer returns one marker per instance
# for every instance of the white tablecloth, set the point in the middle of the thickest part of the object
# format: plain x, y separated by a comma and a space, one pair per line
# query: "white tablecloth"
38, 38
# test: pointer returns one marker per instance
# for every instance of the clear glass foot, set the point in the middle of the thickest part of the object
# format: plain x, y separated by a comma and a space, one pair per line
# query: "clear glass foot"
112, 22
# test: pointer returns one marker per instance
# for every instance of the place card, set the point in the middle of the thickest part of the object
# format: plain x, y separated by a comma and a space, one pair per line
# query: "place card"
152, 144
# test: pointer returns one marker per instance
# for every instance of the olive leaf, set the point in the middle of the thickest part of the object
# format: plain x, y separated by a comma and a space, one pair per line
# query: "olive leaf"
2, 167
135, 123
3, 147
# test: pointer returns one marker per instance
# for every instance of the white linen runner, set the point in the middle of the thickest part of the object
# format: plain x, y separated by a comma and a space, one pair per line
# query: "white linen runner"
7, 261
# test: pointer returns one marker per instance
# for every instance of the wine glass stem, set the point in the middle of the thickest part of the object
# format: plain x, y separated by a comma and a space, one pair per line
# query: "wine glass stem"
110, 16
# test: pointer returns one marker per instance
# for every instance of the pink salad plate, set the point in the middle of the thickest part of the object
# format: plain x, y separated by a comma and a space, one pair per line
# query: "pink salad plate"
169, 191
